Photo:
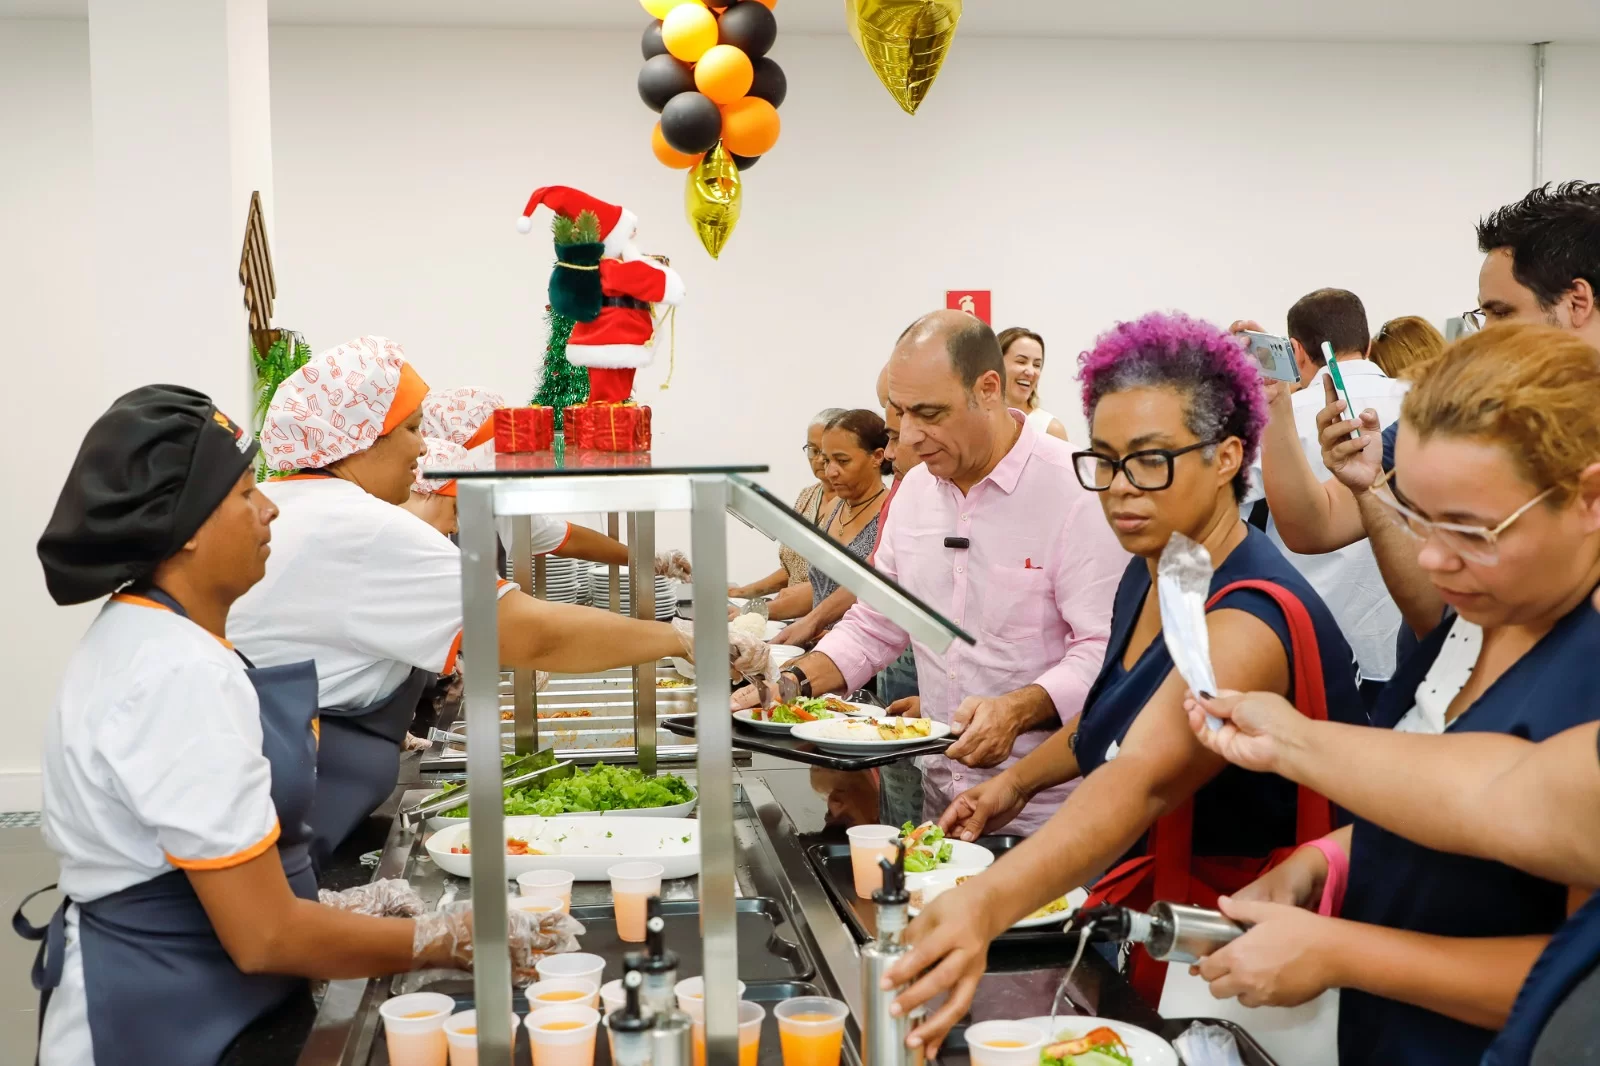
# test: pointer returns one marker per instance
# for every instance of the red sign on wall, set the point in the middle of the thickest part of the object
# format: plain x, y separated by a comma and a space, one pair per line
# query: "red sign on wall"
974, 302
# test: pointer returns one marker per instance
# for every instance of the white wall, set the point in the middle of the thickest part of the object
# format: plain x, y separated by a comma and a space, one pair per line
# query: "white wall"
1081, 181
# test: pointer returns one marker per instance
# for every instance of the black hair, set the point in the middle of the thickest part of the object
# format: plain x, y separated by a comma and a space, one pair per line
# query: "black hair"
1553, 235
868, 427
1333, 315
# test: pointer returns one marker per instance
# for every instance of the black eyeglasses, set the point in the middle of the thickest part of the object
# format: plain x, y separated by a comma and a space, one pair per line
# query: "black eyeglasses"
812, 452
1148, 471
1474, 318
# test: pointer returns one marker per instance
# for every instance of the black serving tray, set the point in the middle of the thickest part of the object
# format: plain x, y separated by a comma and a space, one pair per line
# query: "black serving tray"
1251, 1052
1015, 948
767, 993
766, 953
799, 751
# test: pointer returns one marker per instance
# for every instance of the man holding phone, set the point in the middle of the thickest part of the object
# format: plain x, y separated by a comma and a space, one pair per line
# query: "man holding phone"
1542, 265
1348, 580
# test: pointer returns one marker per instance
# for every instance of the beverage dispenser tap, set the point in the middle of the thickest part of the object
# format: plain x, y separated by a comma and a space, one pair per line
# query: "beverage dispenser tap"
883, 1035
1170, 932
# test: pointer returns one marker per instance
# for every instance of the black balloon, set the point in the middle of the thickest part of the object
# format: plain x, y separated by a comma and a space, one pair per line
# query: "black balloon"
691, 123
661, 79
771, 84
750, 27
744, 162
653, 45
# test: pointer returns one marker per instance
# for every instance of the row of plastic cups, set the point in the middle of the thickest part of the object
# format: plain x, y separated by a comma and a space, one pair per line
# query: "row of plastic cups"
420, 1030
632, 883
810, 1028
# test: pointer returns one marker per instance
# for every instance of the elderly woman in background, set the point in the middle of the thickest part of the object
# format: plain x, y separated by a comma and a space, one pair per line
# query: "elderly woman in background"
1405, 345
853, 445
793, 570
1023, 350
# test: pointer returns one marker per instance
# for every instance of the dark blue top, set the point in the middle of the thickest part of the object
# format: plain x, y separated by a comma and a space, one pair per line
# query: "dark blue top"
1389, 436
1402, 885
1238, 812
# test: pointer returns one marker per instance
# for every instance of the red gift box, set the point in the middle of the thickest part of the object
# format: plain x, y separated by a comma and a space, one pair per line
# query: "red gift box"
524, 429
573, 423
617, 427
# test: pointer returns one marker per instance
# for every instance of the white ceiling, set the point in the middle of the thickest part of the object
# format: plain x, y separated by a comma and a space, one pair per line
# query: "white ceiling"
1317, 20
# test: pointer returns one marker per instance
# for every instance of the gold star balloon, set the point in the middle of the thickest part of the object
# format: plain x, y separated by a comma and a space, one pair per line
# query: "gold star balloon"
905, 42
713, 198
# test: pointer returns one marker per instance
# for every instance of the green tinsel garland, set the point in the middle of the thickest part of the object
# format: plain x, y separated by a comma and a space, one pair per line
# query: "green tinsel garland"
287, 353
560, 383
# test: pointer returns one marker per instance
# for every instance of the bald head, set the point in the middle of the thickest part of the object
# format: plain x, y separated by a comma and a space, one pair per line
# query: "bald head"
967, 342
883, 387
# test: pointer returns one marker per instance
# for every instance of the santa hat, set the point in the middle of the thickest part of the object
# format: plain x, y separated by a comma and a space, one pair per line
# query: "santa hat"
617, 224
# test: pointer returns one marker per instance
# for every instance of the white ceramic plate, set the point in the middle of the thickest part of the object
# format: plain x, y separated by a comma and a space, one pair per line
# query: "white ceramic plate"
746, 718
773, 629
584, 847
850, 737
1144, 1047
965, 860
1075, 899
677, 810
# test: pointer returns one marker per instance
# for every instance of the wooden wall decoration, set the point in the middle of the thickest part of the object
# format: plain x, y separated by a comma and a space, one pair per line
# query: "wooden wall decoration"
255, 274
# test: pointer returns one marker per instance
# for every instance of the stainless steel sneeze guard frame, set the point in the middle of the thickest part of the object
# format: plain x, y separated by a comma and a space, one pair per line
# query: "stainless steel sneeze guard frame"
709, 496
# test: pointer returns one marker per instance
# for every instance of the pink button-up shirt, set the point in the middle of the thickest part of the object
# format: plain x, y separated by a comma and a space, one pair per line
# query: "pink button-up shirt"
1035, 589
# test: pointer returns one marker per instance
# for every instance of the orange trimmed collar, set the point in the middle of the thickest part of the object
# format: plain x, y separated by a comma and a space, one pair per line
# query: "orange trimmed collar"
140, 601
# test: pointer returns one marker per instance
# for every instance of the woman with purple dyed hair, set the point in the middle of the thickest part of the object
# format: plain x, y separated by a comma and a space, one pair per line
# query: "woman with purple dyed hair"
1176, 412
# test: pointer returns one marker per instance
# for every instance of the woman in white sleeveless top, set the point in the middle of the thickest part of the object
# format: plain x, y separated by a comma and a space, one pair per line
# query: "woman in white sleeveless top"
1024, 355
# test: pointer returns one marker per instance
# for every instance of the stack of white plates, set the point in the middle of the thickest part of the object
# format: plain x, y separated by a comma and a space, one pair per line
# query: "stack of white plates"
600, 592
563, 581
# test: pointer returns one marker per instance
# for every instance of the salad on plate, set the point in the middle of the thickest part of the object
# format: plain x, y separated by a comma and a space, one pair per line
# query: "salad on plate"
1098, 1047
802, 710
598, 788
926, 847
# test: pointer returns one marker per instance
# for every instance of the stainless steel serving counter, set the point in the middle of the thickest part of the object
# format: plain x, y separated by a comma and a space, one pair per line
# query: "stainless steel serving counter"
779, 815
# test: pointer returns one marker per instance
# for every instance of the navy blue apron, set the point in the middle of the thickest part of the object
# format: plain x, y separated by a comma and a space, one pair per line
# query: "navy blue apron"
1571, 955
1402, 885
161, 988
358, 762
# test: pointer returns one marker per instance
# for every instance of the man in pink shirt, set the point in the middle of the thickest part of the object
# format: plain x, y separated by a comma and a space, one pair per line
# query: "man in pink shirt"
993, 531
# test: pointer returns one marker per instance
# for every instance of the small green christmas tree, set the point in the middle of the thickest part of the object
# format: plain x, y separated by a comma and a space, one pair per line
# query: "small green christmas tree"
287, 353
560, 383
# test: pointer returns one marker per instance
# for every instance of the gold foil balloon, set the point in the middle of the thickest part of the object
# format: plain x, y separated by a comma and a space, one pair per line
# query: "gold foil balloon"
905, 42
713, 198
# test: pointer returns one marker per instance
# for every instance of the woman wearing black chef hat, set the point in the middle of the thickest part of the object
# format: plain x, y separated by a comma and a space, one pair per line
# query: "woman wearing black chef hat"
178, 778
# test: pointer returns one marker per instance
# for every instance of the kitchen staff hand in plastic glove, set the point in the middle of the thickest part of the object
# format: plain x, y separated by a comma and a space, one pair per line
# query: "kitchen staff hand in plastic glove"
443, 939
389, 898
747, 656
674, 564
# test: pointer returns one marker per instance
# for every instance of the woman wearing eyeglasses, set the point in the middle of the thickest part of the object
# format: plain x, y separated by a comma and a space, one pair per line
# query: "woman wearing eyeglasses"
793, 569
1496, 477
1176, 413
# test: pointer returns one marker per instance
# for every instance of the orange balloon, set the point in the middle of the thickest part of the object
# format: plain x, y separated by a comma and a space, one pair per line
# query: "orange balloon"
670, 156
770, 4
689, 31
750, 126
724, 74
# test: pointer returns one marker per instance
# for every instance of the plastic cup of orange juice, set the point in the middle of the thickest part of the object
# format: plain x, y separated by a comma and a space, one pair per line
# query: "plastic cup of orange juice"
751, 1015
632, 883
574, 964
414, 1028
461, 1033
556, 883
535, 904
563, 992
1004, 1044
868, 844
693, 989
811, 1029
562, 1036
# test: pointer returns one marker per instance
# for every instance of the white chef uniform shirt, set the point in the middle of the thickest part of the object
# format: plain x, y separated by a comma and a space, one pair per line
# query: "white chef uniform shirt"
152, 762
365, 588
1348, 580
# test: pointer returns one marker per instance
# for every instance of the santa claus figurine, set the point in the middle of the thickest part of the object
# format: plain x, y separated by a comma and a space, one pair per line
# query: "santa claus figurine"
622, 338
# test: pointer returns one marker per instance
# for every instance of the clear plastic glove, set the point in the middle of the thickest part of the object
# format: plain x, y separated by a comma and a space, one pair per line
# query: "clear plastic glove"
416, 743
443, 939
380, 899
673, 564
541, 679
747, 656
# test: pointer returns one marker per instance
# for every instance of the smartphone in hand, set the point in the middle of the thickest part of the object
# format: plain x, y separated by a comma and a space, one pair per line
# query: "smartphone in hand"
1339, 387
1275, 355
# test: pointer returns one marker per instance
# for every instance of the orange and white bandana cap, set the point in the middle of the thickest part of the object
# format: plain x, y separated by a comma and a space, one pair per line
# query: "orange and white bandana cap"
441, 455
464, 415
339, 403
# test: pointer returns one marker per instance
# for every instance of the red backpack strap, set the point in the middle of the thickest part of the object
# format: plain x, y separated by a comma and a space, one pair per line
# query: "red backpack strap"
1313, 815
